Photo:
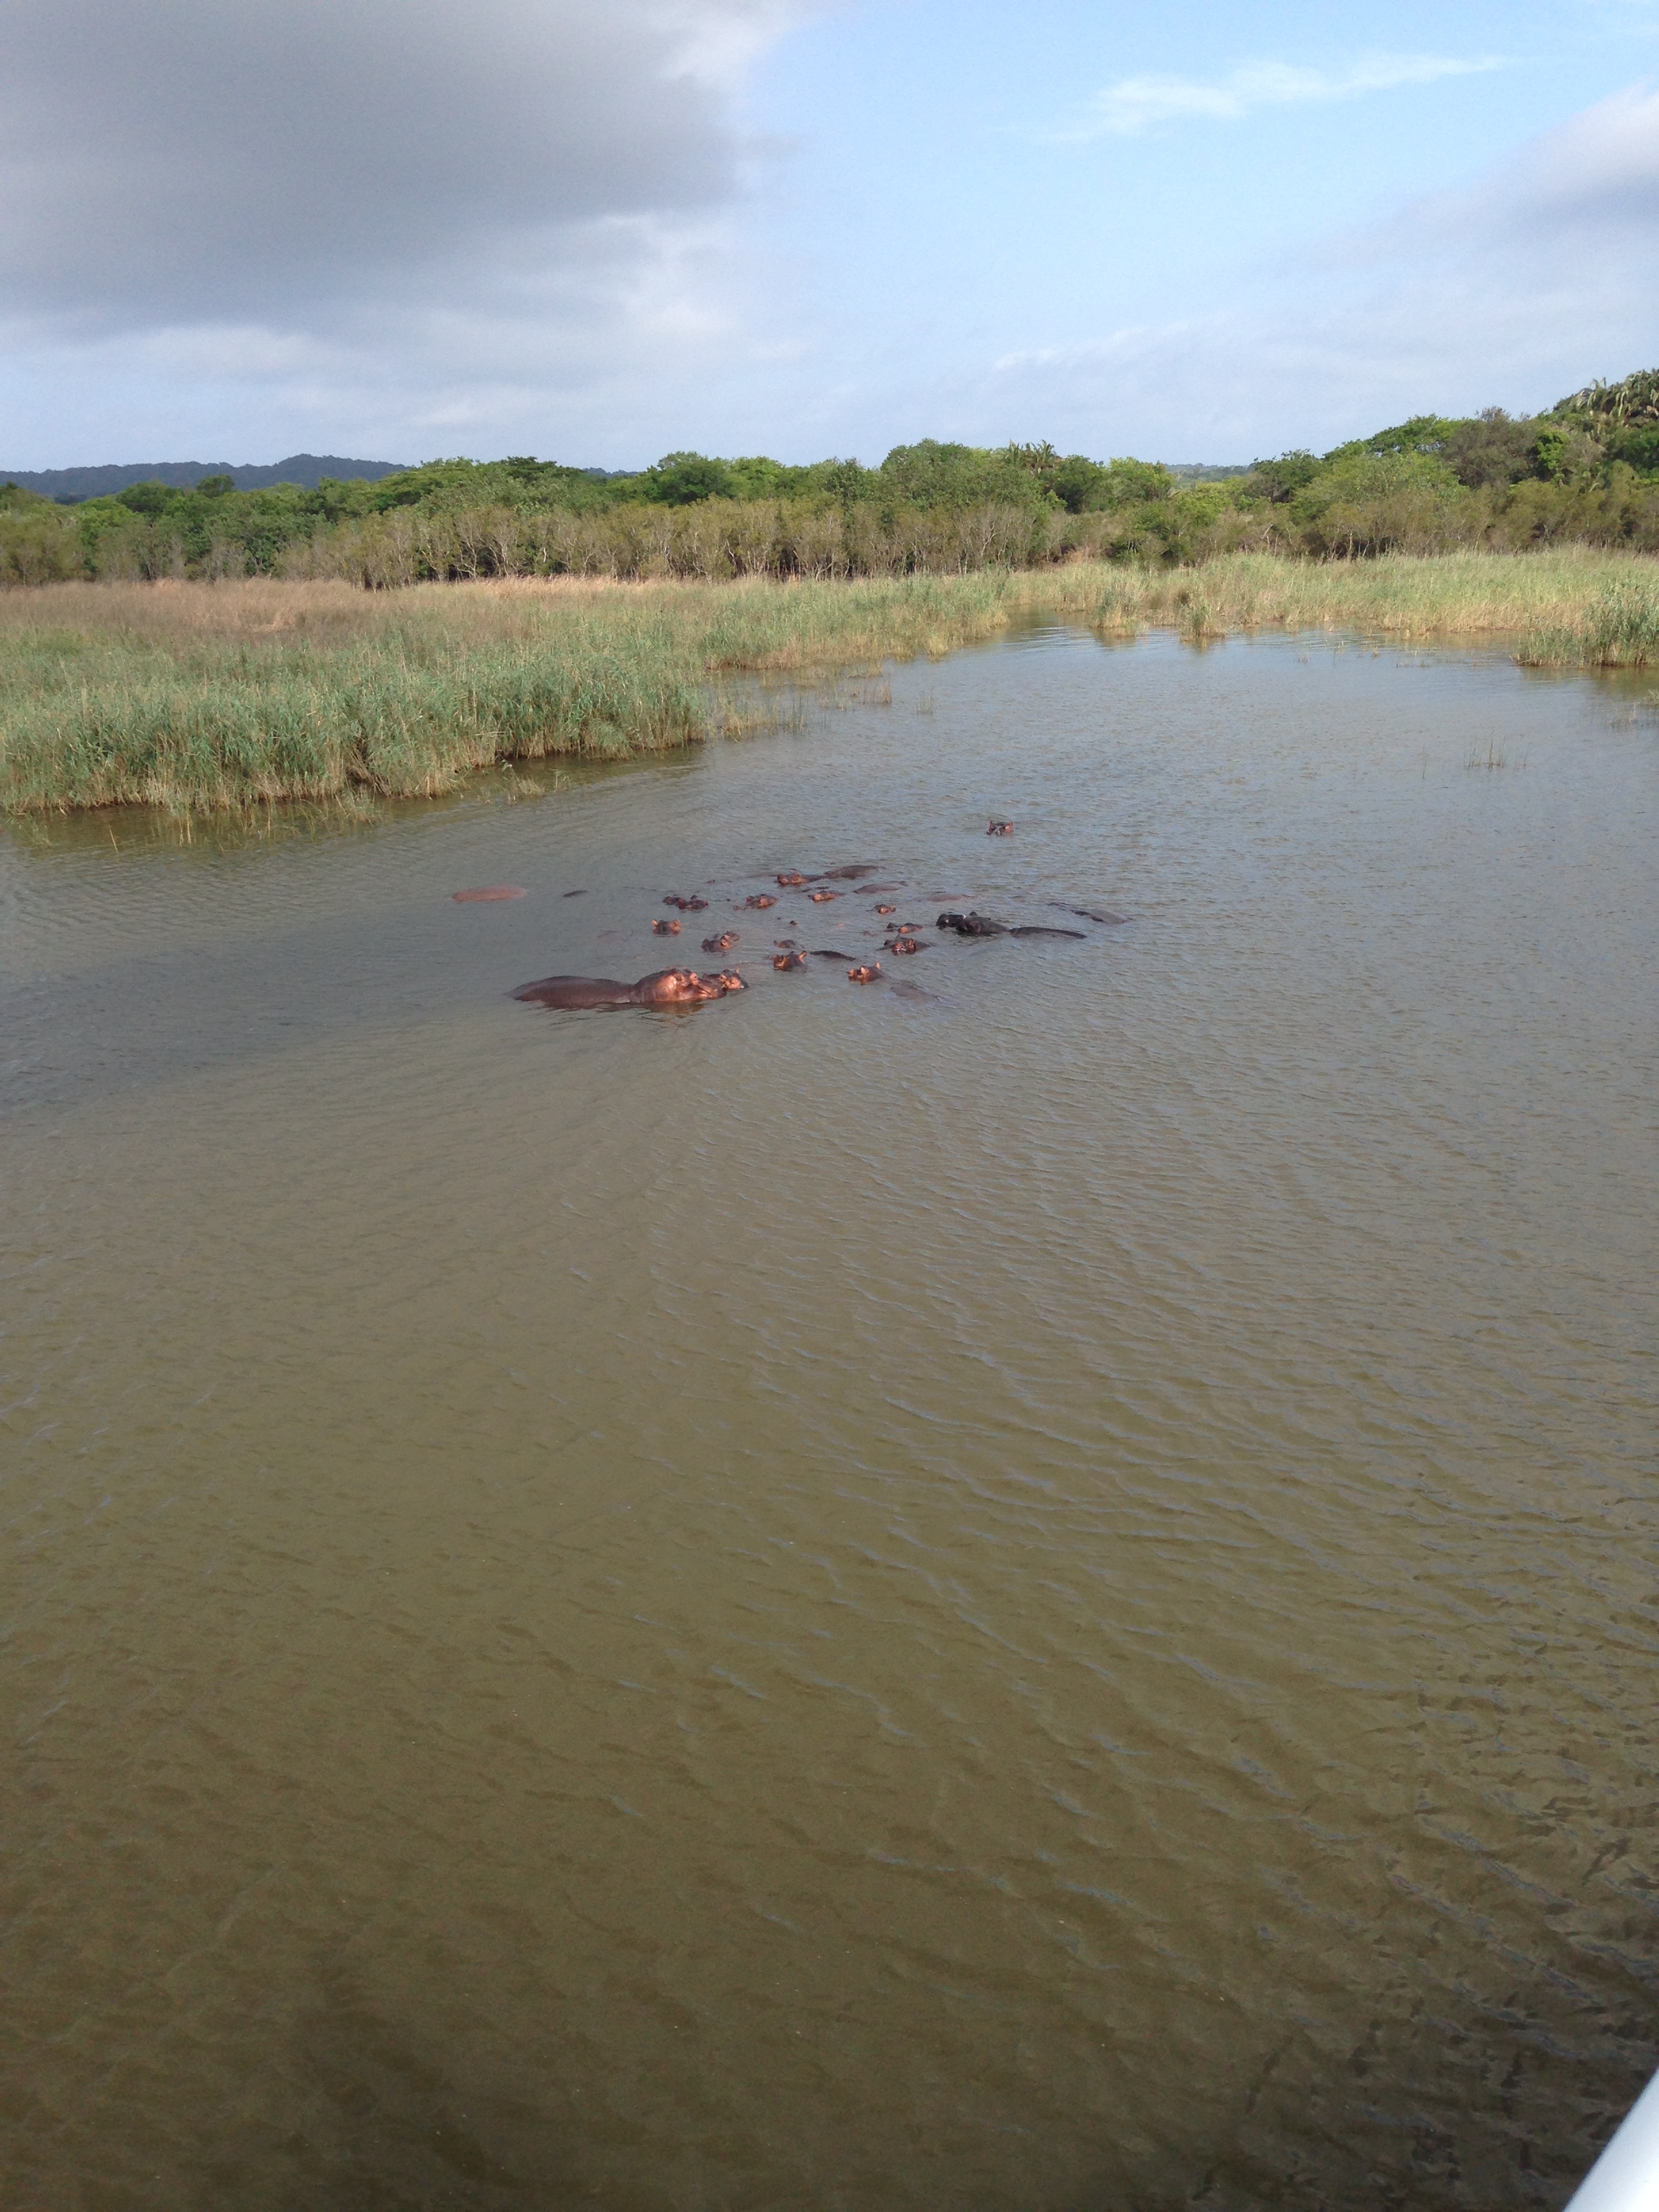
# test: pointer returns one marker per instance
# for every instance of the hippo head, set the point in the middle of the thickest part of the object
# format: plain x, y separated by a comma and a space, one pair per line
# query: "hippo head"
675, 987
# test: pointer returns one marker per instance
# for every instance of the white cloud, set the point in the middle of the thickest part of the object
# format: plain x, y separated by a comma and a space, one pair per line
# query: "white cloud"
1585, 187
1525, 284
1138, 104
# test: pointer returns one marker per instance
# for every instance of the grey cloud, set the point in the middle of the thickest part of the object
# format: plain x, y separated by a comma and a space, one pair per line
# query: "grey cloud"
168, 161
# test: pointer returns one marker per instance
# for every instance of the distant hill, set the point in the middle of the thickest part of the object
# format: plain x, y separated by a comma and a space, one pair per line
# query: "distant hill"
307, 469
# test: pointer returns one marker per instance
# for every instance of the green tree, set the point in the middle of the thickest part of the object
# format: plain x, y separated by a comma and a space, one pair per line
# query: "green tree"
148, 500
683, 479
1639, 448
1492, 449
935, 474
1279, 481
1075, 482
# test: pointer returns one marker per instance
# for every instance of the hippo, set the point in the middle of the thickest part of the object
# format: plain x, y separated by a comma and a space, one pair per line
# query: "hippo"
868, 972
664, 929
723, 943
1035, 929
791, 879
886, 910
848, 875
823, 898
785, 962
828, 952
903, 943
666, 987
972, 925
761, 900
1000, 830
1091, 914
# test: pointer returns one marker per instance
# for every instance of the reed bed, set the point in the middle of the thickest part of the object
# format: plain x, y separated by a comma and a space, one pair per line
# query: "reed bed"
195, 697
1618, 629
1520, 597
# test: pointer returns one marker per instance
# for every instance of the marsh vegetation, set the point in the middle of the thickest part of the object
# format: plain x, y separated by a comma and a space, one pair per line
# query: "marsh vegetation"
199, 696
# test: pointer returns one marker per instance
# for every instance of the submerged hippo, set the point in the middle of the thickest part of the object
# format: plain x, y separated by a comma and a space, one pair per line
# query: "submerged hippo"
666, 987
972, 925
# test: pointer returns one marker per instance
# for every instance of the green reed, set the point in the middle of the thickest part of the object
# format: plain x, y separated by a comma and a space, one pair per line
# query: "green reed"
1619, 629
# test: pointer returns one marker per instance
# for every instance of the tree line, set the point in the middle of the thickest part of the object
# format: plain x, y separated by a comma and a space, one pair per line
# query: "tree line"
1586, 471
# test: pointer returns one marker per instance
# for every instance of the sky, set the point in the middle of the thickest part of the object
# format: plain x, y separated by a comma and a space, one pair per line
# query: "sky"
602, 230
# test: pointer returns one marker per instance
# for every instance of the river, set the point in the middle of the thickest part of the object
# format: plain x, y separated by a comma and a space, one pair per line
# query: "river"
1031, 1593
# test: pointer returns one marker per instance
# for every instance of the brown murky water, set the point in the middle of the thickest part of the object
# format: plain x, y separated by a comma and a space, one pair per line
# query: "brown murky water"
1034, 1592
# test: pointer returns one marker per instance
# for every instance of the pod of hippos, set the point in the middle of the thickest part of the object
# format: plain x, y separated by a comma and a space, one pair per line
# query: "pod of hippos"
685, 987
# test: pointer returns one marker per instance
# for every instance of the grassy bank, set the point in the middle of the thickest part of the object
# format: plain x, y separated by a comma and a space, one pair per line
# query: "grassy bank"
198, 695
